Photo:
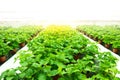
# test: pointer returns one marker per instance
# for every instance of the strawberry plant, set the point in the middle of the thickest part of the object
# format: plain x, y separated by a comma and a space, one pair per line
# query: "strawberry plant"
61, 53
116, 44
11, 39
4, 48
107, 35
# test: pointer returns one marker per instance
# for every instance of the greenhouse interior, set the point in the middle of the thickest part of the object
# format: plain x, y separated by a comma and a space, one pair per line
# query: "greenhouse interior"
59, 40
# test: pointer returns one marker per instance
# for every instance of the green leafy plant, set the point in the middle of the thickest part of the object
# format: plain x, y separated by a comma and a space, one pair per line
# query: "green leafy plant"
11, 38
107, 39
11, 75
61, 53
4, 48
116, 44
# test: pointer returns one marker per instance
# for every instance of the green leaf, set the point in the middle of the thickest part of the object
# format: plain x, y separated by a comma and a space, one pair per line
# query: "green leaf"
41, 76
22, 75
9, 78
53, 73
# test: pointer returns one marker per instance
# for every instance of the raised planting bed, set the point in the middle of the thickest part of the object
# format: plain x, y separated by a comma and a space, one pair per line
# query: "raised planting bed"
61, 53
108, 35
13, 39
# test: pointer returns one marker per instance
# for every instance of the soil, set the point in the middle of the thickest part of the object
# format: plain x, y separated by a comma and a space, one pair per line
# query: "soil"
2, 59
78, 56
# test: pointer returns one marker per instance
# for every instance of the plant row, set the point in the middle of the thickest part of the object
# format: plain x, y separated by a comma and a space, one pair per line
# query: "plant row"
12, 39
61, 53
108, 35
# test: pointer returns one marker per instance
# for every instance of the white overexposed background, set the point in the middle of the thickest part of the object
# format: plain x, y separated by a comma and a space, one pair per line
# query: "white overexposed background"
57, 11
